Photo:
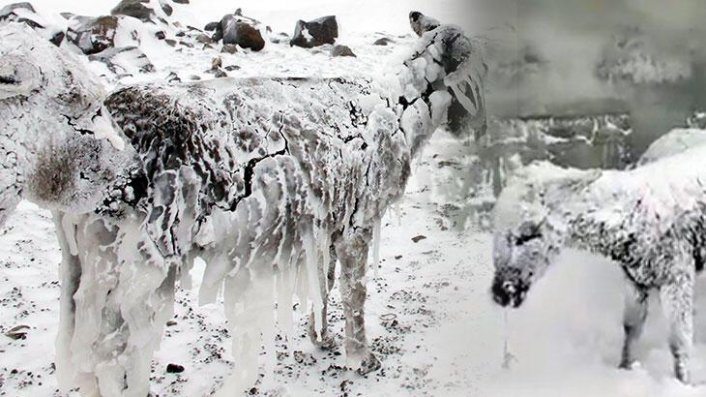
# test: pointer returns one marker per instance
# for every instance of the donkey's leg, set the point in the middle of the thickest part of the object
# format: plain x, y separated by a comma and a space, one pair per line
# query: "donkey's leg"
678, 302
353, 255
69, 276
634, 317
327, 341
120, 305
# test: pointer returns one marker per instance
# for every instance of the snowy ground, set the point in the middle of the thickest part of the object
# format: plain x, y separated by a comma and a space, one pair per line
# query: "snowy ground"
430, 318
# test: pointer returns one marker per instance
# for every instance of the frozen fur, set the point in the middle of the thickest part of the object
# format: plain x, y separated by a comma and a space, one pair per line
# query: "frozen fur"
270, 181
650, 220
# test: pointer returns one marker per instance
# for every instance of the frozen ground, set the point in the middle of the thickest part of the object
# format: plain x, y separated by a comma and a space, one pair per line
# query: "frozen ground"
430, 318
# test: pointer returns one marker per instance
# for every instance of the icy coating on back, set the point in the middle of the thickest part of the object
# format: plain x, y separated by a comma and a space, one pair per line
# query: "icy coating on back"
270, 181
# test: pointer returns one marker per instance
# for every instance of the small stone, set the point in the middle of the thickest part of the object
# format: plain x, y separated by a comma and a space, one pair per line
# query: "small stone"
383, 41
216, 63
229, 49
18, 332
204, 39
160, 35
175, 368
342, 51
231, 68
167, 9
172, 323
133, 8
419, 238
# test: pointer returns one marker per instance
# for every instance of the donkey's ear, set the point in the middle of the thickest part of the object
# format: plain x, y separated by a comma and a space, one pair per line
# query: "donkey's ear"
17, 77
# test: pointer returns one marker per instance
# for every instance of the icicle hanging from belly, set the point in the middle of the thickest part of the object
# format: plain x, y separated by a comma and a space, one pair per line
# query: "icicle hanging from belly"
376, 246
508, 358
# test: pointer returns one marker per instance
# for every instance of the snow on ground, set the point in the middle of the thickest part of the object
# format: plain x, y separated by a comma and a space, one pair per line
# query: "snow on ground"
430, 318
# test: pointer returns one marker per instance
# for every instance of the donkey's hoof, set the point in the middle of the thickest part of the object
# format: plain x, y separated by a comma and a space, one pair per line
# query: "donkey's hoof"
368, 365
630, 365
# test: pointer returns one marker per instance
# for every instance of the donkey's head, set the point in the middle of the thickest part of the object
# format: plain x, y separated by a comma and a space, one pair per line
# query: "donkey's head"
530, 226
447, 70
54, 129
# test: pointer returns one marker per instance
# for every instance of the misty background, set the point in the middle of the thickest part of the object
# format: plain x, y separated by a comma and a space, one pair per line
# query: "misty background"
645, 57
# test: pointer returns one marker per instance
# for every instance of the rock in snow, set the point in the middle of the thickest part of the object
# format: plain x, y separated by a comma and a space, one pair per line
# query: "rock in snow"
314, 33
233, 29
341, 51
134, 8
93, 35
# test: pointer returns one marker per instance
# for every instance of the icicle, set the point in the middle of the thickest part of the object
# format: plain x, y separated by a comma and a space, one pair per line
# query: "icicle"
376, 246
397, 209
311, 260
69, 223
508, 358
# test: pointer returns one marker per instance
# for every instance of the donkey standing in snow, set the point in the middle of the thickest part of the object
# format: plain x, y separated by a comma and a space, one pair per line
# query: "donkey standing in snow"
651, 220
269, 181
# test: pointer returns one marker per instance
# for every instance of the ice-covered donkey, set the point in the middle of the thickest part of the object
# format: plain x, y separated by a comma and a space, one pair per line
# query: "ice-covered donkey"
269, 181
650, 220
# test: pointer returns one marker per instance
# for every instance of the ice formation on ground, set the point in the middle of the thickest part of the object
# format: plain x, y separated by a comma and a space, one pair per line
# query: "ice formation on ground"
270, 181
650, 220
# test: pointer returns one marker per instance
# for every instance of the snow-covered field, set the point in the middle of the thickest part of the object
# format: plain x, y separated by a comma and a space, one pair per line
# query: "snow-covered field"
430, 318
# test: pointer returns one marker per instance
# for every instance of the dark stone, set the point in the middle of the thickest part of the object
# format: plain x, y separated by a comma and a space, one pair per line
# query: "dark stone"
58, 38
212, 26
181, 1
170, 42
242, 34
322, 31
135, 9
93, 35
167, 9
175, 368
383, 41
231, 68
419, 238
341, 51
173, 78
160, 35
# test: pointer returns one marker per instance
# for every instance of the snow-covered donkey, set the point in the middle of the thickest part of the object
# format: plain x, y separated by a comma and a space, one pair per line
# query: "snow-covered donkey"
269, 181
651, 220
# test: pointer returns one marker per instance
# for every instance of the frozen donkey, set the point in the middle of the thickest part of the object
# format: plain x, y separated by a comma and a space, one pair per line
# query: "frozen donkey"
270, 181
650, 220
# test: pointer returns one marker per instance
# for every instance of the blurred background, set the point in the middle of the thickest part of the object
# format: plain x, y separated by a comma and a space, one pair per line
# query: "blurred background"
582, 83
